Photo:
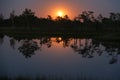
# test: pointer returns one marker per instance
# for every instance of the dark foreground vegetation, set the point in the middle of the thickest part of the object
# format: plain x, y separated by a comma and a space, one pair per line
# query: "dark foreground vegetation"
86, 21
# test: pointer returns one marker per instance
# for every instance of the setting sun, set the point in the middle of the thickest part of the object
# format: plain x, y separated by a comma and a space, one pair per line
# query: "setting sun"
60, 13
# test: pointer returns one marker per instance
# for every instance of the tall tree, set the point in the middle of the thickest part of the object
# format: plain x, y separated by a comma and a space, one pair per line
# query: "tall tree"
100, 17
86, 16
66, 17
1, 19
28, 14
113, 16
12, 16
49, 17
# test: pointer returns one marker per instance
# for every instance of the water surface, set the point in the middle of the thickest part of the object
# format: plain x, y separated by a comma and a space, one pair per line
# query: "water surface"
59, 56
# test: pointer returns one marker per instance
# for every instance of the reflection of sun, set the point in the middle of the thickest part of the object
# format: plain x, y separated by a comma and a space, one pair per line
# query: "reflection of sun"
60, 13
59, 38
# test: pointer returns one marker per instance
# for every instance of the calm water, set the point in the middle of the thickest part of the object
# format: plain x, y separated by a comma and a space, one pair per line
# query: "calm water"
59, 56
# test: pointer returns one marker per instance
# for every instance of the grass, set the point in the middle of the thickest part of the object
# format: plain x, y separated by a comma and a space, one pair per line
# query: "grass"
69, 31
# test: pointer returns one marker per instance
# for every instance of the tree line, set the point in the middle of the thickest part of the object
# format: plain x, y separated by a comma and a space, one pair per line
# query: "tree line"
86, 20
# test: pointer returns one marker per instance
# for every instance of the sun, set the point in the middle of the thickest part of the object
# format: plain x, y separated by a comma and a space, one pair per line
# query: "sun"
60, 14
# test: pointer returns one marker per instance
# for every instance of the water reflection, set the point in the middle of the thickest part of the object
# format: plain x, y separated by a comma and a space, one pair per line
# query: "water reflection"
87, 48
12, 43
61, 55
1, 38
45, 40
28, 48
114, 53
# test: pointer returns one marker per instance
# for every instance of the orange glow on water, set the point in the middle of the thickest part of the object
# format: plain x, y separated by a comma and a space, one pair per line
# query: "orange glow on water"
60, 38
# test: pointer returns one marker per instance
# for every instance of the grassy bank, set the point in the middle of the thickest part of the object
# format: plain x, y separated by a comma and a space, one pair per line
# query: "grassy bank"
37, 32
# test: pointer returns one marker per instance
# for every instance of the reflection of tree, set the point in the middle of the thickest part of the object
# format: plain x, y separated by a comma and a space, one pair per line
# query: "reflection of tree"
66, 42
46, 40
74, 45
58, 39
28, 48
113, 52
1, 38
112, 49
86, 50
12, 43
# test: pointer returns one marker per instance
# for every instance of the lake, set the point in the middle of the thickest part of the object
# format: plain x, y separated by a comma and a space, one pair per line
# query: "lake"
69, 58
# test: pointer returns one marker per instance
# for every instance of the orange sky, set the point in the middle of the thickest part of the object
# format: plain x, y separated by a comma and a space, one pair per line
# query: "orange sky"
72, 8
54, 9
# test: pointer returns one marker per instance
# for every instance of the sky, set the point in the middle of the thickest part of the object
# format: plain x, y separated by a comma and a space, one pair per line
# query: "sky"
72, 8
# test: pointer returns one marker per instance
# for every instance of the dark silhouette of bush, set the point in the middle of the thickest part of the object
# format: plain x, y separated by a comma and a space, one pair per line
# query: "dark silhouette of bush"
85, 21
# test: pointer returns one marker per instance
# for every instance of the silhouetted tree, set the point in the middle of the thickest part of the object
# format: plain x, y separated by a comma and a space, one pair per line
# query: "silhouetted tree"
113, 16
118, 16
28, 12
28, 15
86, 16
12, 16
58, 18
49, 17
66, 17
1, 19
84, 22
100, 17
